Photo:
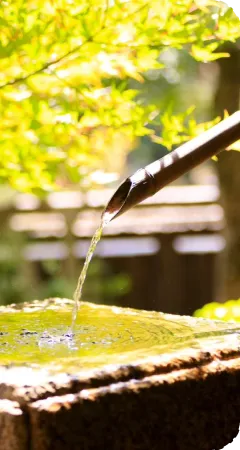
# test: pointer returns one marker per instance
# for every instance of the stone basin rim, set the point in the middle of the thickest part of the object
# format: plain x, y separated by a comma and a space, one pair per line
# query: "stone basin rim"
22, 383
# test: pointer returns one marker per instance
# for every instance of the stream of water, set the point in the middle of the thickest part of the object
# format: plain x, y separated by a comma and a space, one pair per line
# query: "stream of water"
78, 292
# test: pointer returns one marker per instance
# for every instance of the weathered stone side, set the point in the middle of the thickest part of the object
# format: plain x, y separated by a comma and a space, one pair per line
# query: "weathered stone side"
13, 427
189, 409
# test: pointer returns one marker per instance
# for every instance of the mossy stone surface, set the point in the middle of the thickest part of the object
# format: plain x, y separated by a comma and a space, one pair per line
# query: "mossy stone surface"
126, 380
37, 336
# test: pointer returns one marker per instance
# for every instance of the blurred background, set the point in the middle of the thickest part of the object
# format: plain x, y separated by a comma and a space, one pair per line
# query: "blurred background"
169, 253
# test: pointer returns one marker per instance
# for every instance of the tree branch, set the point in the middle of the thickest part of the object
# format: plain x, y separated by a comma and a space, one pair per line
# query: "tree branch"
71, 52
46, 65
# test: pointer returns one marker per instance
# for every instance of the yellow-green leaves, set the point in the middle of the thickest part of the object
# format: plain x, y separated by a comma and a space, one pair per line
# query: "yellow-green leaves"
178, 128
228, 311
206, 54
66, 106
235, 146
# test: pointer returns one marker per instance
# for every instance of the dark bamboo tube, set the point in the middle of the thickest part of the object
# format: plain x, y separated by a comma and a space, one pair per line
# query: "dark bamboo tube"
146, 182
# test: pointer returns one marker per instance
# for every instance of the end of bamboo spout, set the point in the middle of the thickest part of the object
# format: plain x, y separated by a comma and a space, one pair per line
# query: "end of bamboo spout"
132, 191
117, 201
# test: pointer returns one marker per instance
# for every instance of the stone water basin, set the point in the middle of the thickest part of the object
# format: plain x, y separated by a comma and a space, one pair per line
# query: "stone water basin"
39, 336
125, 380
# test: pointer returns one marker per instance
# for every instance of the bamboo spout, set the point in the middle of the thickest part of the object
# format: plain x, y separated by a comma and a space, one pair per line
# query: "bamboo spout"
146, 182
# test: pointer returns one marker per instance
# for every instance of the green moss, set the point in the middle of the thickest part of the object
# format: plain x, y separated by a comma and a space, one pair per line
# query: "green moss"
38, 336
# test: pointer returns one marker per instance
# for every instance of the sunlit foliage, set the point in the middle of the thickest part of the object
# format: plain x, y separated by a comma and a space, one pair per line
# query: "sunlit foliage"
229, 310
66, 105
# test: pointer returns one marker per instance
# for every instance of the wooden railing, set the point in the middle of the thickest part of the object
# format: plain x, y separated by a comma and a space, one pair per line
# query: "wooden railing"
170, 246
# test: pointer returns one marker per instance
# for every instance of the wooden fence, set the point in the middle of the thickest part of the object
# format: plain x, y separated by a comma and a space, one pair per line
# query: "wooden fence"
170, 247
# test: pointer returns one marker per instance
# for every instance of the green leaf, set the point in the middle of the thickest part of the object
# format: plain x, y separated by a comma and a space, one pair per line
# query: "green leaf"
205, 54
80, 81
235, 146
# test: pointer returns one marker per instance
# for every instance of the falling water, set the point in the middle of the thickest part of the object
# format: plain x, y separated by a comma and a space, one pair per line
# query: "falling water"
78, 292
